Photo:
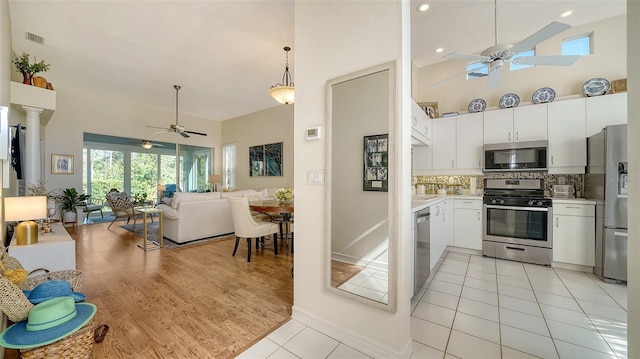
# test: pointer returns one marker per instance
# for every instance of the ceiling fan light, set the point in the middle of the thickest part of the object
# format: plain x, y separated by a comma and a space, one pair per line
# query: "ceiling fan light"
284, 92
496, 65
147, 144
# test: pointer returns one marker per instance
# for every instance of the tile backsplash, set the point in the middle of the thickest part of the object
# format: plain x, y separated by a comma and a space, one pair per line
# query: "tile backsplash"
464, 181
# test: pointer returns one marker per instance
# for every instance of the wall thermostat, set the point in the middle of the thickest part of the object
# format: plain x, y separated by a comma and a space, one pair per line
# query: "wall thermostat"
314, 133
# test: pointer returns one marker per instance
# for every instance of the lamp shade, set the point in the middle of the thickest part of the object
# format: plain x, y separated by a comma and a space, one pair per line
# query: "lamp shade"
162, 187
24, 208
215, 178
283, 94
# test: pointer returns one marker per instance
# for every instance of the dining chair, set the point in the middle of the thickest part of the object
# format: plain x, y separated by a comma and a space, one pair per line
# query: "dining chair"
245, 226
257, 196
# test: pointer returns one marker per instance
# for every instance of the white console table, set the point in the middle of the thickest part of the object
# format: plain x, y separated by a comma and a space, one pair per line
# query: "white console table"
54, 251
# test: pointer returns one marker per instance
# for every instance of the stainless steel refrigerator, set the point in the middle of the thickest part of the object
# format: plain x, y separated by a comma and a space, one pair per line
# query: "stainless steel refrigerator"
606, 183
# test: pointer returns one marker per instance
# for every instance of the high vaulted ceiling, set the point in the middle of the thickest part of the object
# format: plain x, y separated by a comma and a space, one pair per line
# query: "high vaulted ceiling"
226, 54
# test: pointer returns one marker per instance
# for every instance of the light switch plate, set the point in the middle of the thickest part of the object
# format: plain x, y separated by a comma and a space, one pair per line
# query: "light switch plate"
315, 177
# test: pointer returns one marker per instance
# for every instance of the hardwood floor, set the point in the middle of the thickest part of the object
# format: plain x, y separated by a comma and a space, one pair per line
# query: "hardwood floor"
194, 302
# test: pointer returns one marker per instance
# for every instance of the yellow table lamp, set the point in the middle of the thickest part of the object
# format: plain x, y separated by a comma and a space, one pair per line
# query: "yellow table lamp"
25, 209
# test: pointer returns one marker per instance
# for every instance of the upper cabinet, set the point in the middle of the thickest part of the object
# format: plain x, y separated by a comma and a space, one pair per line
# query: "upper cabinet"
420, 126
567, 136
527, 123
469, 142
606, 110
444, 143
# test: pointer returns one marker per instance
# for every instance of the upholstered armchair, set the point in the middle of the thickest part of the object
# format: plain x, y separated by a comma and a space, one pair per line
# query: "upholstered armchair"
121, 206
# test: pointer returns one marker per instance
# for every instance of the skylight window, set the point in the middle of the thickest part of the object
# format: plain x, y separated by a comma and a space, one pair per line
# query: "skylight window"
478, 73
581, 45
514, 67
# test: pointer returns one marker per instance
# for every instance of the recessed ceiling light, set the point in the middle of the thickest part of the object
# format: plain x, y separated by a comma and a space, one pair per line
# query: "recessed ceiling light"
439, 49
423, 7
566, 13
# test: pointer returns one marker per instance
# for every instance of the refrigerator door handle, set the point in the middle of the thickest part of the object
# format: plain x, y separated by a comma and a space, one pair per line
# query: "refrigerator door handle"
622, 234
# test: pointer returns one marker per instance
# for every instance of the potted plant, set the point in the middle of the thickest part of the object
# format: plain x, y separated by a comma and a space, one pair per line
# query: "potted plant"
40, 189
69, 201
27, 69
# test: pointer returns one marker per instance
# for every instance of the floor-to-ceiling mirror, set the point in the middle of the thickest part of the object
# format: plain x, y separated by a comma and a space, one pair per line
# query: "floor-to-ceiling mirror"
361, 111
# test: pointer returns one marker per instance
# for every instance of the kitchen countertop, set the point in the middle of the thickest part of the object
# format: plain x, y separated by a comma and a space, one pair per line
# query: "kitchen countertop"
420, 201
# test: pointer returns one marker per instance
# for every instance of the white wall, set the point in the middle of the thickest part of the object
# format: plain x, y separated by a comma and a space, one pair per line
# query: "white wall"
89, 109
633, 87
272, 125
608, 60
334, 38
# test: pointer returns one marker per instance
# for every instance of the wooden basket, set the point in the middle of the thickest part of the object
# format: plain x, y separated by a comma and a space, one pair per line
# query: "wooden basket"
77, 345
72, 276
618, 86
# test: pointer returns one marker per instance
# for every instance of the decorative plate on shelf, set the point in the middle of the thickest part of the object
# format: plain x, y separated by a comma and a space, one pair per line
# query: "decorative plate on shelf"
477, 105
543, 95
509, 100
596, 87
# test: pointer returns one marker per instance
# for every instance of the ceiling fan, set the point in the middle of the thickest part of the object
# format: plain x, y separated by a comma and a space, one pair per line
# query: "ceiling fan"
179, 129
498, 55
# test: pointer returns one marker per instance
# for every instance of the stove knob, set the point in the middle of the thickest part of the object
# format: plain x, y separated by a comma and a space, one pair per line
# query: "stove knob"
539, 203
502, 201
493, 201
530, 203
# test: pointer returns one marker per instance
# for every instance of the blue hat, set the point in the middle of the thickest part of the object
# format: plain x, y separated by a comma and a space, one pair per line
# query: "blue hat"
52, 289
47, 323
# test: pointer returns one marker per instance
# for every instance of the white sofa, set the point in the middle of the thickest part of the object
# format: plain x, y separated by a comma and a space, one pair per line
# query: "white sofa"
190, 216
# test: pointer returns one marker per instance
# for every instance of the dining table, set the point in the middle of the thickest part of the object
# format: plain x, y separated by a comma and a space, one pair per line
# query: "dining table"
271, 206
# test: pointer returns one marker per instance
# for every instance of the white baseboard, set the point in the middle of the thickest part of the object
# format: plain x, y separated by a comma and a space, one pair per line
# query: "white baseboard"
363, 262
349, 337
464, 250
575, 267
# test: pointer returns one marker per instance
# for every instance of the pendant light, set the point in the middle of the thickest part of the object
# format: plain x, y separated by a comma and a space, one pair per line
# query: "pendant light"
283, 92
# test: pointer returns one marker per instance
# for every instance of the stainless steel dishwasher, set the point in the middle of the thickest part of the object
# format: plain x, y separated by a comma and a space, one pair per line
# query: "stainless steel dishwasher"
422, 249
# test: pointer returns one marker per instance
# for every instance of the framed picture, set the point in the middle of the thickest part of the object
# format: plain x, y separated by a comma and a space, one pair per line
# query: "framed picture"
376, 162
431, 108
265, 160
61, 164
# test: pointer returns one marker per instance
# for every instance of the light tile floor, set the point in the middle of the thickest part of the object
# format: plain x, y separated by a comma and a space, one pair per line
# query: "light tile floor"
370, 283
477, 307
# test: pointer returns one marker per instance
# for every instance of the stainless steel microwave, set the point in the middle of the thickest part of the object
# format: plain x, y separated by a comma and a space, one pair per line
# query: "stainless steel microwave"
516, 156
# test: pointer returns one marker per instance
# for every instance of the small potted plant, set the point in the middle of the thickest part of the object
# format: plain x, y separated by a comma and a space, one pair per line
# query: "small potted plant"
69, 201
27, 69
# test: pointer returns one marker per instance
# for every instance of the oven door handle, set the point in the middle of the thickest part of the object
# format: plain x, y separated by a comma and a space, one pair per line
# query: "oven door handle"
536, 209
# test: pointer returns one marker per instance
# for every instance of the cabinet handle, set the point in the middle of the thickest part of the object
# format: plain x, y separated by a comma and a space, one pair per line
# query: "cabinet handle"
557, 221
574, 207
426, 130
552, 159
443, 216
478, 213
509, 137
479, 164
452, 164
467, 202
517, 137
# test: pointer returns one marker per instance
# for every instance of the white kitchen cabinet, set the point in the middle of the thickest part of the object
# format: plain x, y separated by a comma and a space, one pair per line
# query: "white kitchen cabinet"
468, 223
469, 141
438, 232
567, 136
444, 143
420, 126
527, 123
574, 233
604, 111
422, 159
447, 222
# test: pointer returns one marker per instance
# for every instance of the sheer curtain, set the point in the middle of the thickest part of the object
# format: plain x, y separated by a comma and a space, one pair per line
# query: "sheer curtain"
229, 166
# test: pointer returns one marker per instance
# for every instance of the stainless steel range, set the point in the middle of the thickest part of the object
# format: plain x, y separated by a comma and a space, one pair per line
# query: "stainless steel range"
517, 221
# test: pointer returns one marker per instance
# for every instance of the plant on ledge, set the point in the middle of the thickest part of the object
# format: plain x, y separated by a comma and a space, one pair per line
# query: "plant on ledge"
284, 194
70, 199
26, 69
139, 199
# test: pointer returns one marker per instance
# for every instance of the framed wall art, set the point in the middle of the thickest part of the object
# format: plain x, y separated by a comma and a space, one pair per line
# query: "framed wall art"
61, 164
376, 163
265, 160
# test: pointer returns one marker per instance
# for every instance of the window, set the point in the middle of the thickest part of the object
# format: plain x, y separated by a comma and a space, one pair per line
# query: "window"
581, 45
229, 166
478, 73
513, 67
